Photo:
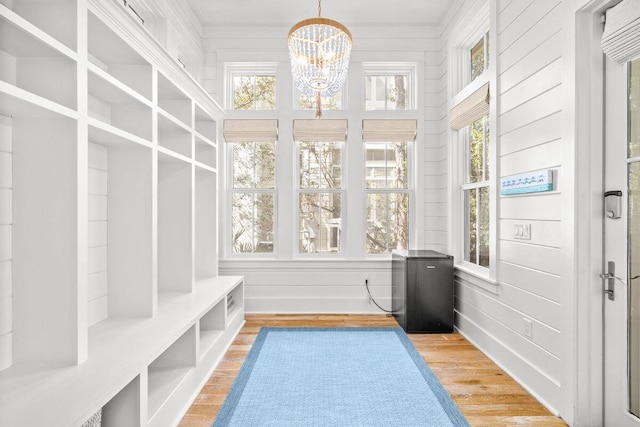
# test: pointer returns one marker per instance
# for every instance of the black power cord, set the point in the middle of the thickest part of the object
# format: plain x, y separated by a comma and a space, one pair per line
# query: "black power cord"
366, 284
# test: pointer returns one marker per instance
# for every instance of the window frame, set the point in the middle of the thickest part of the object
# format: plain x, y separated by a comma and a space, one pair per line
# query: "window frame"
231, 191
461, 86
298, 190
248, 69
387, 69
409, 191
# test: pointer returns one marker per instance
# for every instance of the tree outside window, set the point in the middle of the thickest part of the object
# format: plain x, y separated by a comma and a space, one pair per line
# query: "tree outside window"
387, 92
253, 197
320, 197
480, 57
254, 92
387, 197
476, 194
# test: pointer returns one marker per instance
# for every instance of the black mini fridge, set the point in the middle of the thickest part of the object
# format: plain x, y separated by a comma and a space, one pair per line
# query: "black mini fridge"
422, 290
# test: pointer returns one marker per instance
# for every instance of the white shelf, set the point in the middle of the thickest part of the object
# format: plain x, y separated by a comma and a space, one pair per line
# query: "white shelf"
114, 56
118, 106
30, 57
174, 136
119, 350
174, 101
21, 35
114, 191
205, 152
162, 384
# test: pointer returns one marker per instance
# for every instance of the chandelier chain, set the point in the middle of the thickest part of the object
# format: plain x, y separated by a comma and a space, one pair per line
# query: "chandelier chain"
319, 8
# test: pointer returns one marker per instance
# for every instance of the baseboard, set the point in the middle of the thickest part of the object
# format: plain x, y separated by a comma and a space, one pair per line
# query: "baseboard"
479, 337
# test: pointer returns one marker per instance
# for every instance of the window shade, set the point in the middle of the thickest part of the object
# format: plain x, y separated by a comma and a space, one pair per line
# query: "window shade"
381, 130
470, 109
241, 130
320, 130
621, 37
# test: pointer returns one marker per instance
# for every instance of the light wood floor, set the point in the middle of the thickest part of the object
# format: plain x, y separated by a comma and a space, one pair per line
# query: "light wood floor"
483, 392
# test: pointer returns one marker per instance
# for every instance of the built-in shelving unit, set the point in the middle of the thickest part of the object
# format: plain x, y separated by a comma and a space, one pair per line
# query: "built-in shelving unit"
117, 305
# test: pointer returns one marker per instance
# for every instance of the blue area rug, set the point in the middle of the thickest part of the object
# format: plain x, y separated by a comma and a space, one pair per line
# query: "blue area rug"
336, 377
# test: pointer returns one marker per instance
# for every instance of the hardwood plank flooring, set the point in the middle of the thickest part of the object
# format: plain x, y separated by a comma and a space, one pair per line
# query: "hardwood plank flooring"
486, 395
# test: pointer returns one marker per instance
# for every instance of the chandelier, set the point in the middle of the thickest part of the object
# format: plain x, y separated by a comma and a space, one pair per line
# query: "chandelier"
319, 50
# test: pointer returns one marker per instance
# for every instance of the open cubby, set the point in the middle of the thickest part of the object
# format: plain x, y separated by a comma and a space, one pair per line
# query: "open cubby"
205, 152
112, 105
205, 125
123, 410
35, 64
212, 326
57, 18
174, 101
170, 368
175, 220
128, 278
173, 136
113, 55
206, 258
46, 205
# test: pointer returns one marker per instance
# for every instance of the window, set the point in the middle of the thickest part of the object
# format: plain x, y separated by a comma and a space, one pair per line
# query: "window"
320, 197
388, 87
387, 197
253, 197
386, 92
475, 185
476, 194
479, 57
251, 90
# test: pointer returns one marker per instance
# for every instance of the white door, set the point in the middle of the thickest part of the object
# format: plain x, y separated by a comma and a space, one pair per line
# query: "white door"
622, 245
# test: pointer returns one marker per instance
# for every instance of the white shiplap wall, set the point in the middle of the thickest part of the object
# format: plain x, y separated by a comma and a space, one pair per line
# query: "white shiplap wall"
6, 184
97, 266
529, 137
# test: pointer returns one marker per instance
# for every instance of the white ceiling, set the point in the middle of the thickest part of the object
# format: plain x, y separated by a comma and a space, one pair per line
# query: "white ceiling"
221, 13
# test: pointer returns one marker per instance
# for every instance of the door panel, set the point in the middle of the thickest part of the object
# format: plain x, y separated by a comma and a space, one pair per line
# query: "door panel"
622, 244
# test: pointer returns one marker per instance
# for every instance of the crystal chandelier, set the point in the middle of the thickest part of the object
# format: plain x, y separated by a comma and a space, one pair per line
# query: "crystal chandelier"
319, 49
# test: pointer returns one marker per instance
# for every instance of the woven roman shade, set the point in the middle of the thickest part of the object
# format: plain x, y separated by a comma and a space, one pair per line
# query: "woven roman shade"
320, 130
383, 130
471, 108
621, 36
241, 130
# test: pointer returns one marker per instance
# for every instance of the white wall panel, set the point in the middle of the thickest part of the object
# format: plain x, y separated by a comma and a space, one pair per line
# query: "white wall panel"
97, 292
540, 82
6, 216
546, 285
5, 315
547, 207
543, 105
526, 21
512, 51
534, 133
542, 55
543, 156
541, 349
6, 253
5, 279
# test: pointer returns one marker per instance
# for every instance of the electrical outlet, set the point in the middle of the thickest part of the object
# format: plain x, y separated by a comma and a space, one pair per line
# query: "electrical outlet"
527, 327
366, 278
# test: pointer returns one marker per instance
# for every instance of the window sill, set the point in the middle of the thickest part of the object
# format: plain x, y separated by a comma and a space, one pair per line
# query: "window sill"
472, 276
